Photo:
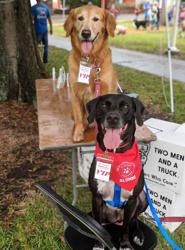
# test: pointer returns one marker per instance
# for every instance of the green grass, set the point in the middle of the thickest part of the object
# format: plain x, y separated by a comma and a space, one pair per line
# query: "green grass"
37, 225
37, 228
149, 87
150, 90
58, 29
40, 227
141, 40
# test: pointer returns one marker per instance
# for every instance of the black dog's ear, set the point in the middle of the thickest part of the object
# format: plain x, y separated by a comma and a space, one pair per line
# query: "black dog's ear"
91, 107
139, 109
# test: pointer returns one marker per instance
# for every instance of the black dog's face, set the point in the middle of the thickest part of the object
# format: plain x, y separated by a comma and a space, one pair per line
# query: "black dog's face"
113, 111
115, 115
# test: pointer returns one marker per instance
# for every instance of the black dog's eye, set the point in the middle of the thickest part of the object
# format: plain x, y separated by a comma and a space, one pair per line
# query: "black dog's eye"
95, 19
124, 107
105, 106
80, 18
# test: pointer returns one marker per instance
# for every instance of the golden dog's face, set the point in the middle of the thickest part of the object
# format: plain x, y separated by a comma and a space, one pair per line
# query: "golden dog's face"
89, 24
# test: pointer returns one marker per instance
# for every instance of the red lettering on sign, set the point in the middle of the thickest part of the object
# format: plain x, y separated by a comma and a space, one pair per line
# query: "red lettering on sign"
83, 75
102, 172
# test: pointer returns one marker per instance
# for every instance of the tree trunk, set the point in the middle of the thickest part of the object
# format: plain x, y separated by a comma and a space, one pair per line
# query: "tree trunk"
20, 63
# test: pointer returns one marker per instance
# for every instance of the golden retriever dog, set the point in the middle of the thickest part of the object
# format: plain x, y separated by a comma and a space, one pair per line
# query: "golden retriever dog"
89, 27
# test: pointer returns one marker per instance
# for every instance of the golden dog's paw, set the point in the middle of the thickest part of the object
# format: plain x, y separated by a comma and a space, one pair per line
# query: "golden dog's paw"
78, 135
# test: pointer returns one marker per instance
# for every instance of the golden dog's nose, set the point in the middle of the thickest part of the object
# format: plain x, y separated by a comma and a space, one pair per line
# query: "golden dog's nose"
86, 34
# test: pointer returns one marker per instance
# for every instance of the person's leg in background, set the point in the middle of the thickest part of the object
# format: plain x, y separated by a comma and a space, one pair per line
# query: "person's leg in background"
158, 18
45, 43
40, 44
39, 37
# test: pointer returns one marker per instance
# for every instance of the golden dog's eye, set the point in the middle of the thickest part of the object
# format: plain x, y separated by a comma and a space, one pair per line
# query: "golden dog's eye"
80, 18
95, 19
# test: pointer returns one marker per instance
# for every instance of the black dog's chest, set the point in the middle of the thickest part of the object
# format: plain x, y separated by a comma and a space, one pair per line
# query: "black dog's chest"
123, 172
106, 190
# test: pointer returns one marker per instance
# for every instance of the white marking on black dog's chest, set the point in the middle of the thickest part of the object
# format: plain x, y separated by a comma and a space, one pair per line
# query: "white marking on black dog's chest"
106, 189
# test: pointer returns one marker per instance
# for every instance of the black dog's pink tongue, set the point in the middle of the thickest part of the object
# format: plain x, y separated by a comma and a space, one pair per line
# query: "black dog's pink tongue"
111, 138
86, 47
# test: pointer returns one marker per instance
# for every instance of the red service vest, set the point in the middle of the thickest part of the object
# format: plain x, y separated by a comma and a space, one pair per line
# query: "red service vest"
126, 167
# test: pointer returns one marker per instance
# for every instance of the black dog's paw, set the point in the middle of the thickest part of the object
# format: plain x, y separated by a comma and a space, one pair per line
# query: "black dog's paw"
125, 246
138, 239
98, 247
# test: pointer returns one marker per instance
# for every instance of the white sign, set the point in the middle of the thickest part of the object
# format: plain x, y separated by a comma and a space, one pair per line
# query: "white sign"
103, 170
85, 158
164, 159
165, 165
166, 203
164, 168
84, 73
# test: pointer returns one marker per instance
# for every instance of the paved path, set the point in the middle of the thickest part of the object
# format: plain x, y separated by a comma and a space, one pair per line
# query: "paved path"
153, 64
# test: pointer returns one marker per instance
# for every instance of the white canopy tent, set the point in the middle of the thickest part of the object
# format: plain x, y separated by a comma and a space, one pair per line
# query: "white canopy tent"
176, 22
171, 45
169, 58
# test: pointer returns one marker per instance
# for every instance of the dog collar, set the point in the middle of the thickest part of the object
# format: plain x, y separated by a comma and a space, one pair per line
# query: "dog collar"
97, 81
126, 167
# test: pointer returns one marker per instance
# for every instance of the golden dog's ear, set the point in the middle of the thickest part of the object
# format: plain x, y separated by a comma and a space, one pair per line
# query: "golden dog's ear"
110, 23
68, 25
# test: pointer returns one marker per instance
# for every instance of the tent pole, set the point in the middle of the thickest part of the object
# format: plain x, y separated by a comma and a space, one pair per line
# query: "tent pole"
176, 21
169, 58
63, 7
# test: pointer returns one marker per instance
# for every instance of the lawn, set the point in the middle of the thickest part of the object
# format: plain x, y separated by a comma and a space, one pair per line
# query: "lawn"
140, 40
149, 87
33, 223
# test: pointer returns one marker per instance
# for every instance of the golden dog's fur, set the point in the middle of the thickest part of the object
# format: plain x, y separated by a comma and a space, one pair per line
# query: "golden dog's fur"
99, 24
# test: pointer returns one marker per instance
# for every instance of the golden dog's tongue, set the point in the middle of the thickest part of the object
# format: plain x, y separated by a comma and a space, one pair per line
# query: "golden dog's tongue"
111, 138
86, 47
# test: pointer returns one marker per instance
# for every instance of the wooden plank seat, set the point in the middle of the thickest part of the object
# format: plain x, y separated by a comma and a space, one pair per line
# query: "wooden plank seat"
55, 117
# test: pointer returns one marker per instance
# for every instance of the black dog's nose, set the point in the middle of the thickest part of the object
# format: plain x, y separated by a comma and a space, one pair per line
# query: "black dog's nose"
113, 119
86, 34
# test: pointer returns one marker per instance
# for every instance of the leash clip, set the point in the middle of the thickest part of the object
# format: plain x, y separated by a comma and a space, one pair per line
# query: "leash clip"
85, 59
97, 81
106, 154
97, 70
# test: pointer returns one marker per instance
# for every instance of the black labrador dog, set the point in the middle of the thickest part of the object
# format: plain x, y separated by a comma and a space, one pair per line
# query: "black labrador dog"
141, 23
116, 177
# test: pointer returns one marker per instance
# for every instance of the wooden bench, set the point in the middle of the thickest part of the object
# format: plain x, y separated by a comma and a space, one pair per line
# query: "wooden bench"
55, 117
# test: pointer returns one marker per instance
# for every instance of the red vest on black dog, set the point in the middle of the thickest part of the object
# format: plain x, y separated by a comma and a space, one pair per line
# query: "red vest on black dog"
126, 167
